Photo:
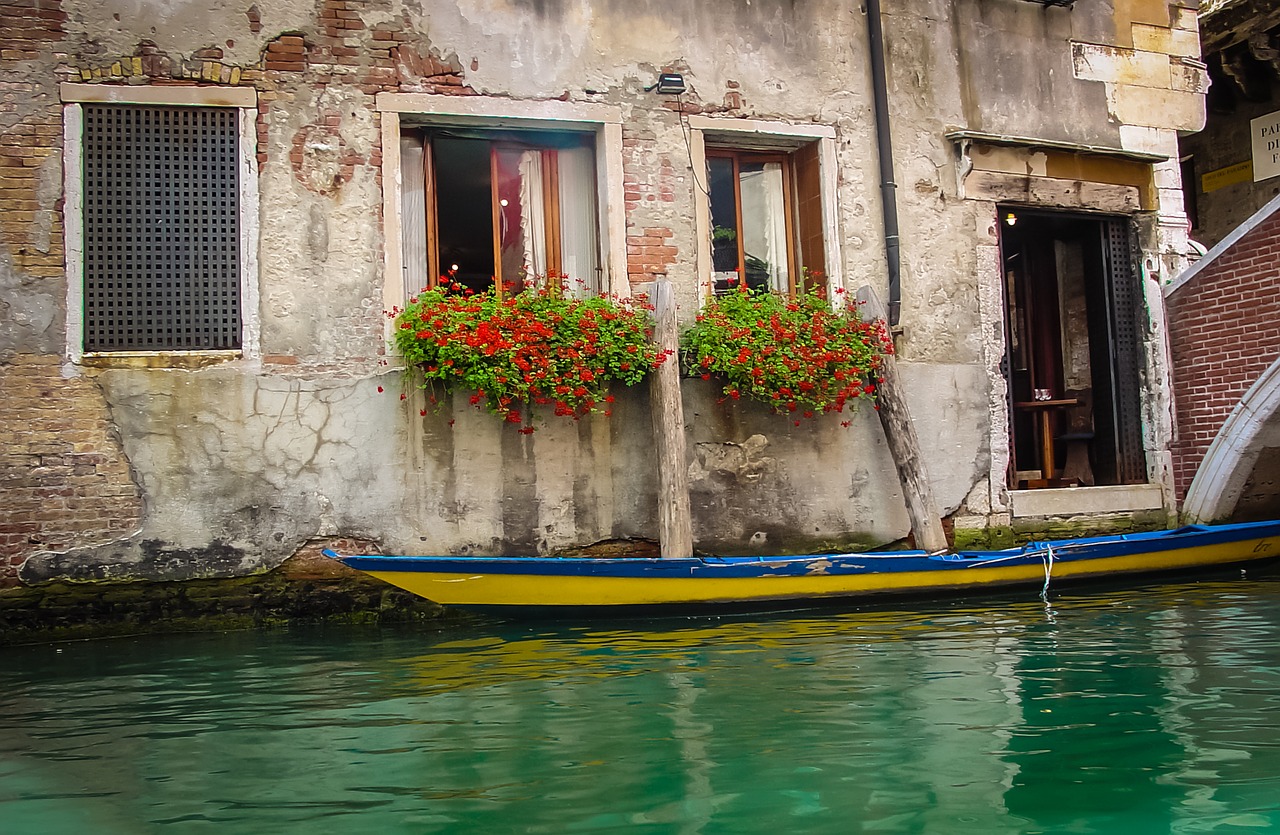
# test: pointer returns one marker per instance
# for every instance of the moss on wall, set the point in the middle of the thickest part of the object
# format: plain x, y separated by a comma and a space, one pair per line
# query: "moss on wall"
70, 611
1034, 529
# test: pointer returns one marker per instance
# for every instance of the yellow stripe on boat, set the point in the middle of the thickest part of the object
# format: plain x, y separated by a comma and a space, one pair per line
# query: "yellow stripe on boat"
484, 589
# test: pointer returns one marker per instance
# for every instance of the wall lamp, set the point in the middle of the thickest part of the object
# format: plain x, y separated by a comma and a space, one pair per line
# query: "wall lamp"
668, 84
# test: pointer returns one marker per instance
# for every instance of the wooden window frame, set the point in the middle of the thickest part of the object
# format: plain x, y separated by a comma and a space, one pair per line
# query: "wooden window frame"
815, 156
550, 205
738, 157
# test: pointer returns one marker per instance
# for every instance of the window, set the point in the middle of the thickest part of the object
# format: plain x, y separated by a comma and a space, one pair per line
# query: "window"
500, 206
767, 213
571, 153
161, 227
160, 200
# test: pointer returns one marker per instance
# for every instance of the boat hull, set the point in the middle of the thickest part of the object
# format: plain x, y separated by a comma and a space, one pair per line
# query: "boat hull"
552, 583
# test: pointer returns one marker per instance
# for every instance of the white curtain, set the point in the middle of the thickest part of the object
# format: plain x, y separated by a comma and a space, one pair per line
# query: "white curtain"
579, 244
533, 213
764, 222
413, 215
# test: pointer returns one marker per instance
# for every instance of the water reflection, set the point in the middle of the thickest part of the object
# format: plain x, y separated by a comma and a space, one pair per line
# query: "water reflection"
1142, 711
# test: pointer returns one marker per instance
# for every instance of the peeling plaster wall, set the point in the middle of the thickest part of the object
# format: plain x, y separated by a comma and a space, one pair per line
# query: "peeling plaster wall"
241, 463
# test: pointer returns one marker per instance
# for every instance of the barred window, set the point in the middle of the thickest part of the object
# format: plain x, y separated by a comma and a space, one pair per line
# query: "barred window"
161, 228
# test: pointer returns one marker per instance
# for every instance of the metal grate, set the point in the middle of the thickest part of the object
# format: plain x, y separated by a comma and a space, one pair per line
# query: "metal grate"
161, 228
1127, 314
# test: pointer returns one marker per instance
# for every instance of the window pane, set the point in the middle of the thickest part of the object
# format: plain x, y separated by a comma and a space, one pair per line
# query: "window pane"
764, 226
464, 210
522, 237
724, 223
579, 243
413, 215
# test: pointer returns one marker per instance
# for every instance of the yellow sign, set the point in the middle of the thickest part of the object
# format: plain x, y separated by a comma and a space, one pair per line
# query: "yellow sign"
1241, 172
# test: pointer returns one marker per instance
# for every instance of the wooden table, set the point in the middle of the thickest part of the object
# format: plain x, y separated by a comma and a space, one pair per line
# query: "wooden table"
1048, 467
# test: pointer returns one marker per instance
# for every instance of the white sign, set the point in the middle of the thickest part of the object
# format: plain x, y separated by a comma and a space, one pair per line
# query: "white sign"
1265, 131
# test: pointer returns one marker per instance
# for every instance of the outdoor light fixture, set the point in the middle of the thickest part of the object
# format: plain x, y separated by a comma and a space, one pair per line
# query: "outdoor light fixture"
668, 84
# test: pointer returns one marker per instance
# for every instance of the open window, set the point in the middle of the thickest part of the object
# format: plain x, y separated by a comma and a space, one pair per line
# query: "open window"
765, 218
1073, 307
509, 207
766, 213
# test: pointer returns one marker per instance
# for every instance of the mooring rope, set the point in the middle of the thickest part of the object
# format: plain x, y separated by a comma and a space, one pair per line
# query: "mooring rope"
1048, 571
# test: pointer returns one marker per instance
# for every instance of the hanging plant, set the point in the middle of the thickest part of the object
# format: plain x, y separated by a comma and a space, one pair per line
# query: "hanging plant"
797, 355
543, 346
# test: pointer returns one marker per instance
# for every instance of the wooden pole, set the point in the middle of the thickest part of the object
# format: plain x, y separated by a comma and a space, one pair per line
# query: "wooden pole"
675, 521
904, 444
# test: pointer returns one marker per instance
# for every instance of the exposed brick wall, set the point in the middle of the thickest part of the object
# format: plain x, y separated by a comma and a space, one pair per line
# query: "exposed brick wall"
29, 225
650, 253
649, 190
64, 479
63, 476
30, 181
1224, 331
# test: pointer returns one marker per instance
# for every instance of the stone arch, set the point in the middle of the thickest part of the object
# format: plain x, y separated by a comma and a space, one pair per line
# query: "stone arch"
1252, 426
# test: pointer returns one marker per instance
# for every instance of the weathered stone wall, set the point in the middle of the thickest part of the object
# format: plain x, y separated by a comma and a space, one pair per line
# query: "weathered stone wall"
1223, 143
1239, 42
228, 466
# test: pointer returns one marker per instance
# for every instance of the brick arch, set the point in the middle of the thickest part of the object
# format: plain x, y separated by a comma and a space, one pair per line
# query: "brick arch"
1230, 459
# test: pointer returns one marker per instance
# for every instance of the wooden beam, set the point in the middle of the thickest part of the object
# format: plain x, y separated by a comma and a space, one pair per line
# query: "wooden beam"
904, 444
675, 520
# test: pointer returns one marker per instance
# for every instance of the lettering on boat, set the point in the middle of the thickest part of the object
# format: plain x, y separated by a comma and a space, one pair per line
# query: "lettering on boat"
1262, 547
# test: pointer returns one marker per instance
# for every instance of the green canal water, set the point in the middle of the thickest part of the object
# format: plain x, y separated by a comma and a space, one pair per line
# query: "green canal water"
1133, 711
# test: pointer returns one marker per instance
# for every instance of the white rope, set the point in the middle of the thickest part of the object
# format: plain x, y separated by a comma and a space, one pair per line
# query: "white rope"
1048, 572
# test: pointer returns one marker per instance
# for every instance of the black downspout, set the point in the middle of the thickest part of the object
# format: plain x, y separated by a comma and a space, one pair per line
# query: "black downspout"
884, 150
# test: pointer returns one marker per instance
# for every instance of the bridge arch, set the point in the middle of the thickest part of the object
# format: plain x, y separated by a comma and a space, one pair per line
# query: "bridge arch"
1252, 427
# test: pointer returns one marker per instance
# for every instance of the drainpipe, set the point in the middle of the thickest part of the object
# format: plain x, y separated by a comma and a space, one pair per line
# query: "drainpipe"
884, 150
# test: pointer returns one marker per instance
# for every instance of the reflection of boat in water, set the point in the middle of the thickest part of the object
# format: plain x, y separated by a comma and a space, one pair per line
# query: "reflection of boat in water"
550, 583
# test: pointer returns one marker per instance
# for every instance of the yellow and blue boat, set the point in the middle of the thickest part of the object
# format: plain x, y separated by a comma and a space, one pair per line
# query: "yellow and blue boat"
556, 585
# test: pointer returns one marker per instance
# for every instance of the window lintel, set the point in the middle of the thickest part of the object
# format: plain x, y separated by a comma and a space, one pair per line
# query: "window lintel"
71, 92
427, 108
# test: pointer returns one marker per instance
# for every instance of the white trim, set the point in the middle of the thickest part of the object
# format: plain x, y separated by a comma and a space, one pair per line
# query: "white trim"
613, 214
605, 121
1083, 501
791, 136
1223, 245
73, 225
1228, 463
250, 236
174, 96
480, 110
714, 124
392, 244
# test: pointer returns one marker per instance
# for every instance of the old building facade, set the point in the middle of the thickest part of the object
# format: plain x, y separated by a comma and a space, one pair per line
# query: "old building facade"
306, 165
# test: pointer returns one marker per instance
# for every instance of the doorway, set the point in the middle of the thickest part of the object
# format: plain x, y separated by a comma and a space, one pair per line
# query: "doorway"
1072, 307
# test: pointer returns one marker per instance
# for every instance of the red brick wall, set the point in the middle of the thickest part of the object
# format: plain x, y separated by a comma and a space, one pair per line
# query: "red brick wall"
1224, 331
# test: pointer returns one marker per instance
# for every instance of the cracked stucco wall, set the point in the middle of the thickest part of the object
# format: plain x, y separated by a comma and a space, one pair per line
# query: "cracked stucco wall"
239, 463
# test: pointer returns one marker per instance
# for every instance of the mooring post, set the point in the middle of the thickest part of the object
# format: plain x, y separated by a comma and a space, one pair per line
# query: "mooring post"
675, 521
904, 444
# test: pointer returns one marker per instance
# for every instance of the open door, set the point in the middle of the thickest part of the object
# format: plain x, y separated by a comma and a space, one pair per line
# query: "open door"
1073, 306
